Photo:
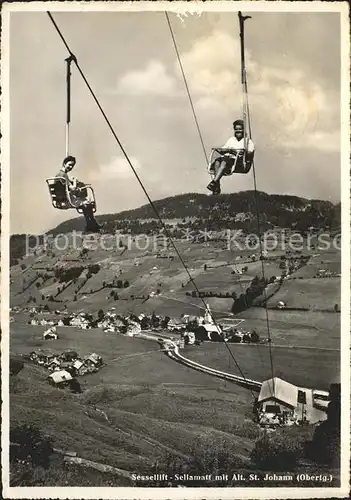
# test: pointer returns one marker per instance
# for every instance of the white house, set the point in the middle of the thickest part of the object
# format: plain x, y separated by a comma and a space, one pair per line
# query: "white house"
50, 334
281, 304
58, 377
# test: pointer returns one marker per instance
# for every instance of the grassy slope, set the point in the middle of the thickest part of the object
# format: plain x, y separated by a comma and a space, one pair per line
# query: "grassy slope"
169, 276
319, 293
154, 405
315, 329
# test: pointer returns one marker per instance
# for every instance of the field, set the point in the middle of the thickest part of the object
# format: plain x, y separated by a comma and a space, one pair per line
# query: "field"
312, 294
327, 260
154, 406
316, 329
304, 367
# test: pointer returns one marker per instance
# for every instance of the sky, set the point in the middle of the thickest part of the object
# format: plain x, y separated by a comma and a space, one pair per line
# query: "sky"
293, 71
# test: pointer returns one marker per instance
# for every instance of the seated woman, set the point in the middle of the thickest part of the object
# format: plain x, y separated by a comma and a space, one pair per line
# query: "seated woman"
79, 194
233, 153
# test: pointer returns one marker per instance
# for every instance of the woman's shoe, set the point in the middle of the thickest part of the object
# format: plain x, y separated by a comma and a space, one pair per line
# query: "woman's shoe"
217, 189
212, 186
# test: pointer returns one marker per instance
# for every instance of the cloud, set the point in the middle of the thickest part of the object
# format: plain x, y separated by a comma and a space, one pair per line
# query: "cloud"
154, 79
288, 105
116, 168
328, 142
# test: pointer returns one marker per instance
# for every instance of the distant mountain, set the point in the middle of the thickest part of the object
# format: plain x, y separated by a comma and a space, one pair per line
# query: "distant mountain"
222, 211
244, 210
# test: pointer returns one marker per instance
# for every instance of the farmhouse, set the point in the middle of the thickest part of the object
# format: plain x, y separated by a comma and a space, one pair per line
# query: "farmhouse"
42, 357
80, 321
54, 365
189, 338
95, 359
69, 356
50, 334
60, 377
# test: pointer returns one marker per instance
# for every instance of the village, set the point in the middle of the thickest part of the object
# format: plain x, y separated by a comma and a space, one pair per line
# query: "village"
65, 367
191, 329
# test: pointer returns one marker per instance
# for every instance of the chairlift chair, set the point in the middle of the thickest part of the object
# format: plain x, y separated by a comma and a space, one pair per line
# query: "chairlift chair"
239, 166
63, 198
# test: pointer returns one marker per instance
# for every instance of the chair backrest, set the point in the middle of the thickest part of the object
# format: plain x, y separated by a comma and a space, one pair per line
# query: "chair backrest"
57, 189
241, 166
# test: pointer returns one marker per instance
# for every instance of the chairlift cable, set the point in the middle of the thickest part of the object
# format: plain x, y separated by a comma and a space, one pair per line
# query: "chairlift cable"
140, 182
242, 20
245, 101
263, 363
247, 119
187, 87
68, 107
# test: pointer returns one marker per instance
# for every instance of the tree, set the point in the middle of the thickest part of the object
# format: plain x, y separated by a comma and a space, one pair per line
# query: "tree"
145, 323
94, 268
101, 315
165, 321
16, 365
192, 325
126, 284
155, 321
28, 443
236, 339
75, 387
336, 308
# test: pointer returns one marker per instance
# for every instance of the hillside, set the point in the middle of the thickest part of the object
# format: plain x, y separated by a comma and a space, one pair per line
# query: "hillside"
198, 212
222, 212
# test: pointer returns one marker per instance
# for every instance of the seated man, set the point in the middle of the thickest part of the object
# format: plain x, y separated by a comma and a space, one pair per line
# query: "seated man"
79, 194
232, 152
